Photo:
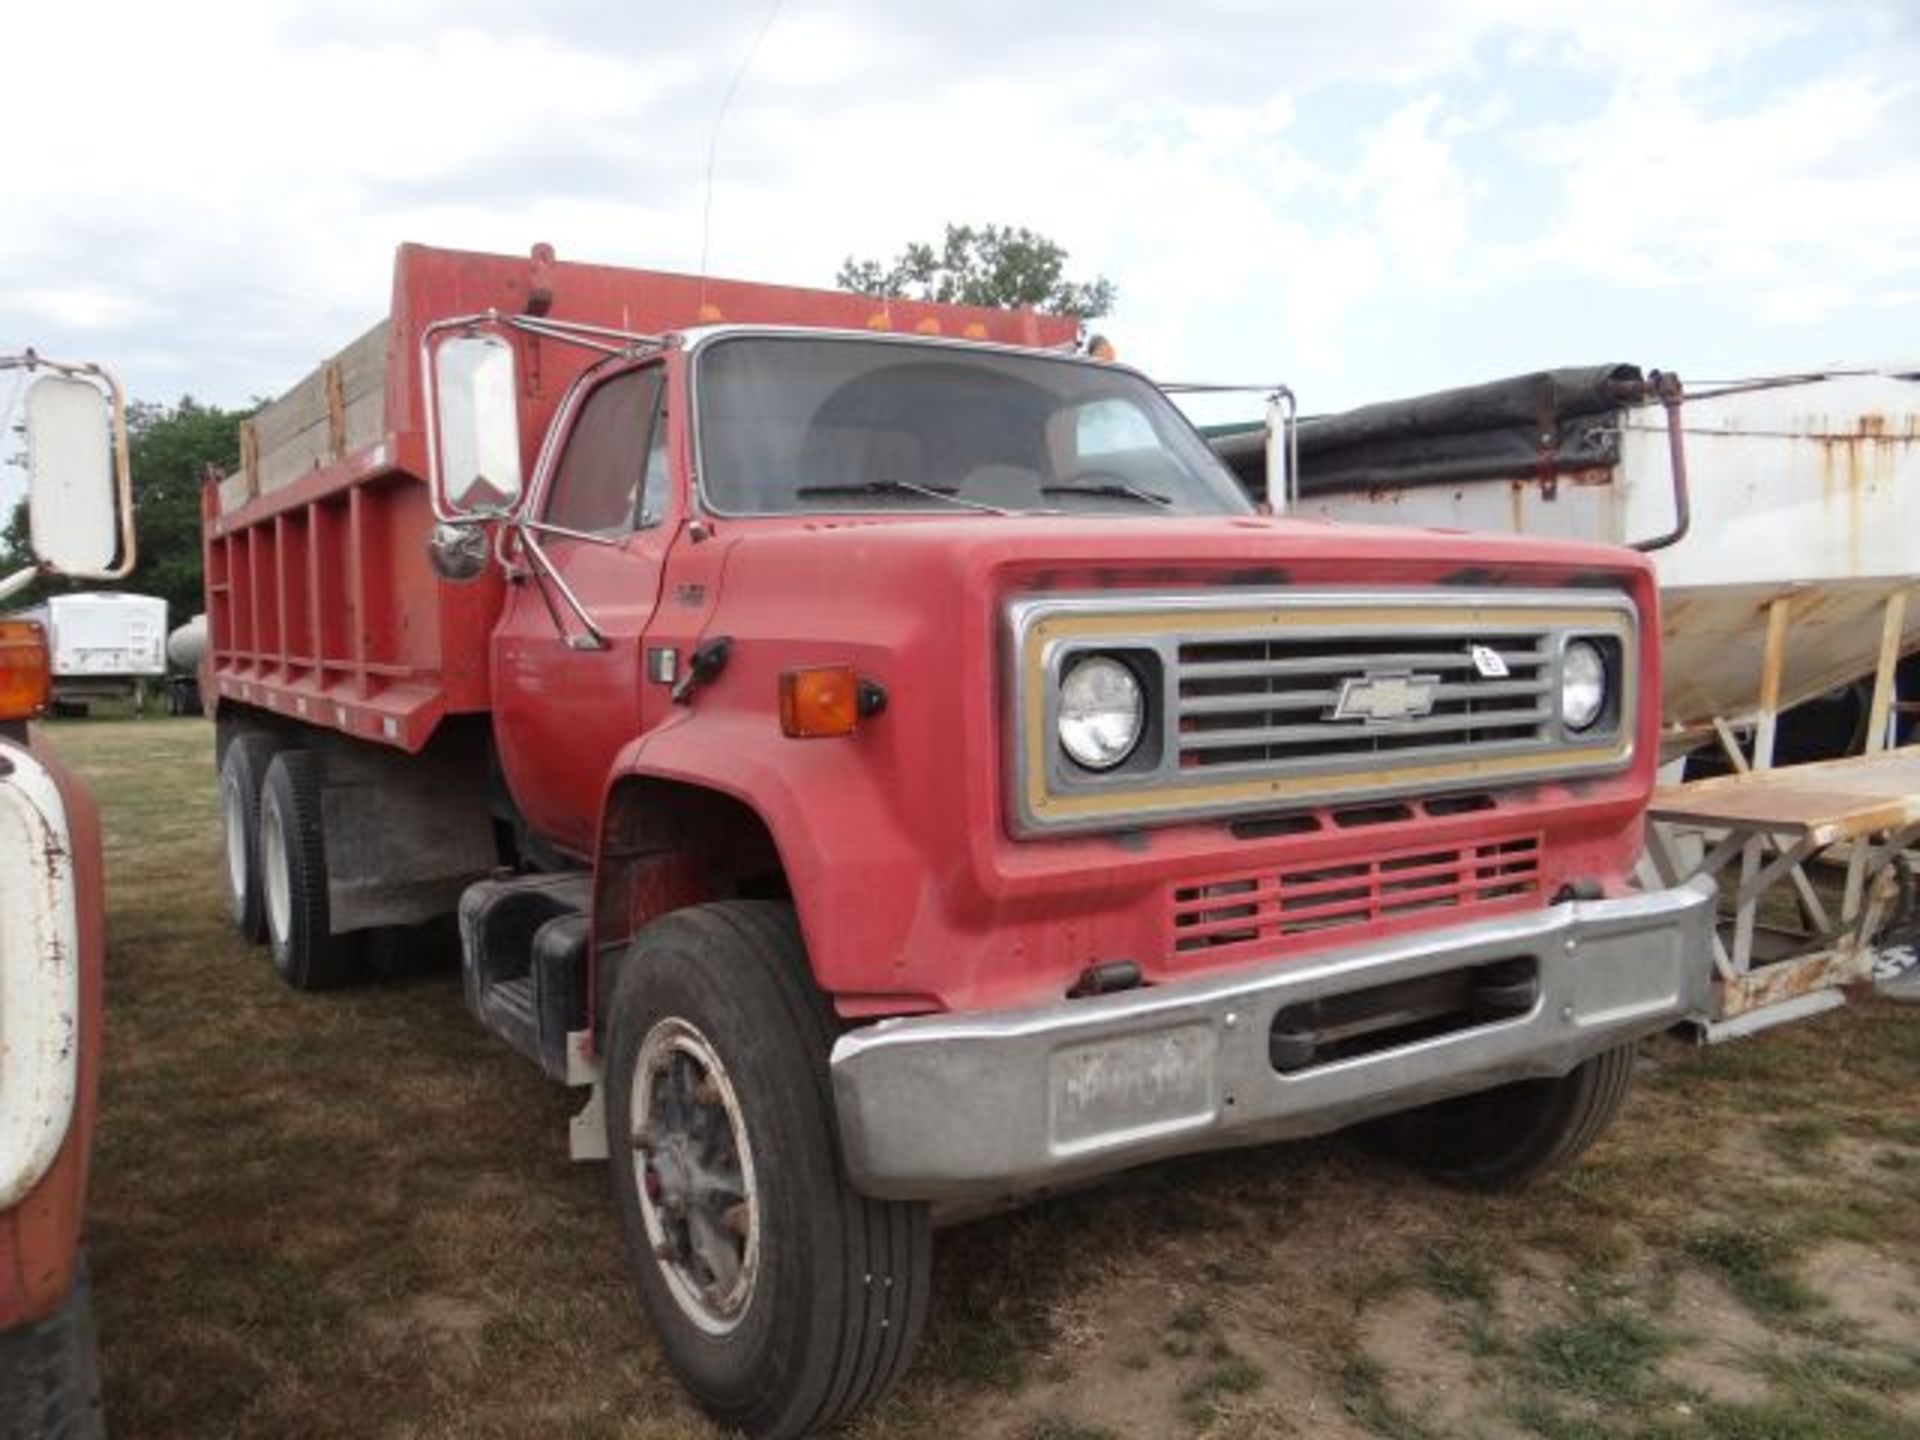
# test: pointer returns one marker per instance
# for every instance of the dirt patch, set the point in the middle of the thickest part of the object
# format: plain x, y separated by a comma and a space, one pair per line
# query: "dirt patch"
1537, 1290
452, 1328
1717, 1342
1426, 1373
1872, 1290
1141, 1358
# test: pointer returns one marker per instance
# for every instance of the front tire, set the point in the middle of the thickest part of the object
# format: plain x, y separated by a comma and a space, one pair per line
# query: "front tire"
293, 878
1506, 1138
783, 1300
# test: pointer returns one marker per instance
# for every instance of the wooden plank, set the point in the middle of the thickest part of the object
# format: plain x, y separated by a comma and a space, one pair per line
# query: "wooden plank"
1772, 663
337, 408
1891, 631
1891, 628
1830, 801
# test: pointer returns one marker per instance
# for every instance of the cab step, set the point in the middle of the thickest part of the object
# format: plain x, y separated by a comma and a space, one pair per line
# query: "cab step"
523, 949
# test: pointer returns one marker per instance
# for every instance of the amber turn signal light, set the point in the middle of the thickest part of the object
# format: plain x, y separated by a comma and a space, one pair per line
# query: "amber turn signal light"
24, 669
821, 701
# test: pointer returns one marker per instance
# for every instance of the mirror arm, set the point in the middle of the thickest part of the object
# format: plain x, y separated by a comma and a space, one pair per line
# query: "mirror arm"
123, 477
593, 639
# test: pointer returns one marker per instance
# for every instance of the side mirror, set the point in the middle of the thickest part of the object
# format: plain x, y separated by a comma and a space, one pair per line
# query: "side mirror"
79, 498
476, 414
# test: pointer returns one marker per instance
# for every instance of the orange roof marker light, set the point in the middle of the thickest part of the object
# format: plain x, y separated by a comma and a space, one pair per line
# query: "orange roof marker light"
928, 326
710, 313
975, 331
25, 669
879, 320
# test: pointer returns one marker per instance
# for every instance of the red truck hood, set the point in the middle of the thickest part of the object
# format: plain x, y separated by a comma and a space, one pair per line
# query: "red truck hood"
1071, 552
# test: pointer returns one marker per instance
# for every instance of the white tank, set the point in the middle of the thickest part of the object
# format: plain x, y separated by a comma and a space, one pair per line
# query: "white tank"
187, 645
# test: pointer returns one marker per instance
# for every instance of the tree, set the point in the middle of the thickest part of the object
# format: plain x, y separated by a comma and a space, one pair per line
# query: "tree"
993, 265
169, 448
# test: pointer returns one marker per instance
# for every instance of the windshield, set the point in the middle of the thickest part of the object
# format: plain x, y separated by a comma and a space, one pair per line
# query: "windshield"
809, 423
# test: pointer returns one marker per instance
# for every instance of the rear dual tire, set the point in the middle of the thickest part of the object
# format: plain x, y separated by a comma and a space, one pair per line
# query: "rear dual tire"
783, 1300
292, 878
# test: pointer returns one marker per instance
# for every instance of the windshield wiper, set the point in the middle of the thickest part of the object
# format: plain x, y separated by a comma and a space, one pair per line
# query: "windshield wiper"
1117, 489
898, 487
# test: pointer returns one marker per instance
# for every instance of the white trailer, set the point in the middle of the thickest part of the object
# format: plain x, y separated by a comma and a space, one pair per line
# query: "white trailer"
104, 644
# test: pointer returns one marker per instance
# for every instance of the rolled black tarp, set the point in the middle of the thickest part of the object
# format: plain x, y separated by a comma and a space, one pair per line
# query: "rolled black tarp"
1489, 431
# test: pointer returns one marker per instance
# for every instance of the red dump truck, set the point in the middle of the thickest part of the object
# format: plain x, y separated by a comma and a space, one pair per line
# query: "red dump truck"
876, 752
52, 916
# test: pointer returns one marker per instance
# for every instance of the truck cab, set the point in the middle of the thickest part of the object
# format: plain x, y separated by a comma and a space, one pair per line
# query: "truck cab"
52, 919
878, 755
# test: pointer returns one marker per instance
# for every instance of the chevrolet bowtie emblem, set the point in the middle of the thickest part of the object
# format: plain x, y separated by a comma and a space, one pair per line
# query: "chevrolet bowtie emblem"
1384, 698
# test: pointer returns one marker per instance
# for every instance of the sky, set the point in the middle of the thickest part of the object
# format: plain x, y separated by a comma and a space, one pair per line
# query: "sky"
1359, 198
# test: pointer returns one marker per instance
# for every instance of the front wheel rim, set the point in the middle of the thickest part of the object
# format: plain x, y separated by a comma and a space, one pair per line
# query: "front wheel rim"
693, 1172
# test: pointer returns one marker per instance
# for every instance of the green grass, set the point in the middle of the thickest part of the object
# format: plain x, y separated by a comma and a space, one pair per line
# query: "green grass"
1460, 1274
1365, 1392
1803, 1140
1232, 1375
1052, 1427
1753, 1263
1606, 1354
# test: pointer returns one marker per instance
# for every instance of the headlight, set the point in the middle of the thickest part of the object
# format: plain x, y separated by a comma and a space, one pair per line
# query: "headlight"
1102, 713
1583, 684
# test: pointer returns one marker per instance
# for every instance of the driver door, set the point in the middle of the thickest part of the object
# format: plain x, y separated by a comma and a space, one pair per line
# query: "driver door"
563, 708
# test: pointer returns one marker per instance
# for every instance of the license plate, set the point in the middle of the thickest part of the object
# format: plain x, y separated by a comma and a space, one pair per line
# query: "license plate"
1112, 1090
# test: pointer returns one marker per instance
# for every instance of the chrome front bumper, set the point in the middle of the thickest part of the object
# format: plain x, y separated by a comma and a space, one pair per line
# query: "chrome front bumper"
981, 1106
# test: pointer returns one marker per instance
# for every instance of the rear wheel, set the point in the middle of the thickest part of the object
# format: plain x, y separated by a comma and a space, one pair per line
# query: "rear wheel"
243, 769
1508, 1137
783, 1299
293, 878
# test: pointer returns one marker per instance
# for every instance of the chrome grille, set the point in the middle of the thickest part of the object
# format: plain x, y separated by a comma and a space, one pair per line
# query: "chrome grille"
1272, 700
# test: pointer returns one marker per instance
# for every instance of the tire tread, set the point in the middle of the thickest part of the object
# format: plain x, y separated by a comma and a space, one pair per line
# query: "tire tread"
316, 959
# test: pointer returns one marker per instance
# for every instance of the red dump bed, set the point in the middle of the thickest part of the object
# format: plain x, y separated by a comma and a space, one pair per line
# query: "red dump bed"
320, 601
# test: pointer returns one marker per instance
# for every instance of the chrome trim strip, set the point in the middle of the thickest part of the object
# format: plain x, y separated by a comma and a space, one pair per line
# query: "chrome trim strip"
956, 1107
